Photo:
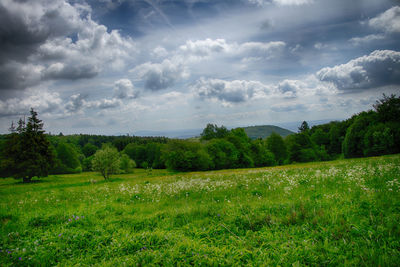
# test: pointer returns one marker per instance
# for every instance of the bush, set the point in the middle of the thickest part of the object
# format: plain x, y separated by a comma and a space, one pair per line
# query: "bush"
126, 165
106, 161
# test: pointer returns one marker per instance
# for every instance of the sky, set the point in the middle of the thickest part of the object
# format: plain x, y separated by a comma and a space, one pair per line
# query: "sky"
122, 66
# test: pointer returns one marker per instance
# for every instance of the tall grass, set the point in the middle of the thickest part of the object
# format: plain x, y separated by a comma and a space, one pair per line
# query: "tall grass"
333, 213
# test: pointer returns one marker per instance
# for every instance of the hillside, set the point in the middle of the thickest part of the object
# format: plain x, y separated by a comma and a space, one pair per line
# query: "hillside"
264, 131
335, 213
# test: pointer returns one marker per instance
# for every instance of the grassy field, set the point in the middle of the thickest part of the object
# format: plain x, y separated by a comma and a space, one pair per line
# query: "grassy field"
333, 213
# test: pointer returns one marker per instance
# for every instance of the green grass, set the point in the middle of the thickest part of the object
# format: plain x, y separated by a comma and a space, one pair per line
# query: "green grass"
343, 212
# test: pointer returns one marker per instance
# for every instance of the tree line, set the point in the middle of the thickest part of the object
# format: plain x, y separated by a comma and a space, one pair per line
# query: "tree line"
27, 152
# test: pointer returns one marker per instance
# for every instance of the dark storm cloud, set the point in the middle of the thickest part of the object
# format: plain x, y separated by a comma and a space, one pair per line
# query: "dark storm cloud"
60, 71
18, 39
380, 68
54, 40
14, 75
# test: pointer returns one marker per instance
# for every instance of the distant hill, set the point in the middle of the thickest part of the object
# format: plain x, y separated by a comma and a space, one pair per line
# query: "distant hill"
264, 131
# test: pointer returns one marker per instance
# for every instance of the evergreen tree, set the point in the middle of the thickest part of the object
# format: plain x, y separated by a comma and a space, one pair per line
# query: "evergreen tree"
304, 128
27, 151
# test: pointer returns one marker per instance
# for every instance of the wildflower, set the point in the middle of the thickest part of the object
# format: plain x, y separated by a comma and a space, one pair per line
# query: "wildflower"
60, 235
20, 258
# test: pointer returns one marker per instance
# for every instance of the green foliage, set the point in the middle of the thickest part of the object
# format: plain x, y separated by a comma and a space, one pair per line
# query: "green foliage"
89, 149
277, 146
146, 155
27, 152
388, 108
304, 128
213, 131
106, 161
224, 154
67, 159
187, 156
126, 164
87, 164
320, 138
260, 154
353, 144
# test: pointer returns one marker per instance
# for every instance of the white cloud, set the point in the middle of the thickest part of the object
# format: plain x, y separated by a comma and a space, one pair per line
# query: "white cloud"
258, 49
205, 48
388, 21
40, 100
158, 76
281, 2
235, 91
293, 2
124, 88
380, 68
367, 39
159, 51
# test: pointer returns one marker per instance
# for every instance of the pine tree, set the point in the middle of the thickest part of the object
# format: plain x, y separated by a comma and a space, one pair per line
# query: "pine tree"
27, 151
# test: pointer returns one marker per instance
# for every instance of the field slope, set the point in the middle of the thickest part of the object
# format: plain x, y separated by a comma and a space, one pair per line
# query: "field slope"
334, 213
263, 131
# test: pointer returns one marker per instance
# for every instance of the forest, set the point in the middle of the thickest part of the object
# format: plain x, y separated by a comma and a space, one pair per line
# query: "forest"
369, 133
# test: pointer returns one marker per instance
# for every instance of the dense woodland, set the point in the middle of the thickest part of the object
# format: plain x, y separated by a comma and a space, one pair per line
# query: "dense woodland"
370, 133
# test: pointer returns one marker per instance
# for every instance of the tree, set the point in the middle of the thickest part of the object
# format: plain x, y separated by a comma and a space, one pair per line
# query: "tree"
261, 155
213, 131
67, 159
126, 164
304, 128
89, 149
106, 161
277, 146
388, 108
183, 155
224, 154
353, 144
27, 151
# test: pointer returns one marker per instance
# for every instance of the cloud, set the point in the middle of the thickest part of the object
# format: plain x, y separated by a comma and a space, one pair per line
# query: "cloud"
380, 68
67, 72
55, 37
15, 75
367, 39
289, 88
281, 2
204, 48
388, 21
259, 49
236, 91
105, 103
76, 103
288, 107
158, 76
41, 100
124, 89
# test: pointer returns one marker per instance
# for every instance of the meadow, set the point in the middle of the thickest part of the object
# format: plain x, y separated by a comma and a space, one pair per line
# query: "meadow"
344, 212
